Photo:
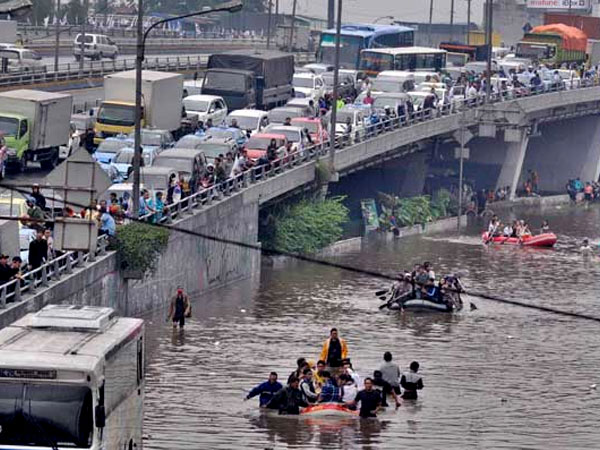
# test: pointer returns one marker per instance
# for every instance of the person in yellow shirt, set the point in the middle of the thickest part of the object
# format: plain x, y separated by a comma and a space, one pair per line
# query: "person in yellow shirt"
334, 350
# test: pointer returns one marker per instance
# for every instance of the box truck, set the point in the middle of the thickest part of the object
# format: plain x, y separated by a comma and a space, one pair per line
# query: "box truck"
162, 94
34, 124
553, 45
246, 79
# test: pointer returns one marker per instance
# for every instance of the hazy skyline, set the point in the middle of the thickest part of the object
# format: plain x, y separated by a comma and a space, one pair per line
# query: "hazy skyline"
406, 10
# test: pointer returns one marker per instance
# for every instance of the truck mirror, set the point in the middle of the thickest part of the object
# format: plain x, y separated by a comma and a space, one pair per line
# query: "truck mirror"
100, 416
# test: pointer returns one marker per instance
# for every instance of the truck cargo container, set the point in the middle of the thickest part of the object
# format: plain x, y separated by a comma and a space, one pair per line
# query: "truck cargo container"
259, 79
553, 45
34, 124
162, 93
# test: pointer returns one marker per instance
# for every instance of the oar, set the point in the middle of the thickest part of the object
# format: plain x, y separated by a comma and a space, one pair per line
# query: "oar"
390, 300
382, 292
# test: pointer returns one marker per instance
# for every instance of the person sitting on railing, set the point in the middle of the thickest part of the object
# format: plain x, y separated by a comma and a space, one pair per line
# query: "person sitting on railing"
220, 174
15, 272
208, 179
228, 164
34, 214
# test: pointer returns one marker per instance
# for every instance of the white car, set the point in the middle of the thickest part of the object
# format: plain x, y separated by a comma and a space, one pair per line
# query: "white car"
293, 134
206, 107
357, 119
251, 120
96, 46
22, 59
308, 85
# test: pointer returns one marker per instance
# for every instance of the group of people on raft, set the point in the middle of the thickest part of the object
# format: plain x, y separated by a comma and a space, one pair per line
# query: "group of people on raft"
334, 380
518, 229
420, 283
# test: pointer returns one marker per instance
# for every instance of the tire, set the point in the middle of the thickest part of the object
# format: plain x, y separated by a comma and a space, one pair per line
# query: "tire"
22, 164
3, 171
51, 163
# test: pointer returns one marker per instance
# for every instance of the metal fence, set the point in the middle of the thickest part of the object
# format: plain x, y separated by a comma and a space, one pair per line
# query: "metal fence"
54, 269
97, 69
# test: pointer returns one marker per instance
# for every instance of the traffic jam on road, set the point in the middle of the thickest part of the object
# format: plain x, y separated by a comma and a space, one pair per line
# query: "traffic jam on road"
259, 109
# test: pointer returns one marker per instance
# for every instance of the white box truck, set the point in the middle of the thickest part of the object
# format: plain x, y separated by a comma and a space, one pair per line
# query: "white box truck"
72, 377
35, 124
162, 95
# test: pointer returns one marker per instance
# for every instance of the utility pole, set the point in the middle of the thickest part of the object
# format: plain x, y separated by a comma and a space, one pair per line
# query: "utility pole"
137, 134
429, 30
451, 20
269, 24
330, 14
460, 171
468, 40
488, 37
291, 47
57, 31
336, 76
83, 23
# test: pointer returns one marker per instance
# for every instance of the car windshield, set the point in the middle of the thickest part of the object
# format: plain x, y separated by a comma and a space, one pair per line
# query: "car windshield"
312, 127
61, 411
214, 150
276, 116
303, 82
153, 139
258, 143
9, 126
112, 114
290, 134
88, 39
189, 142
124, 157
195, 105
108, 146
343, 116
221, 133
246, 123
235, 82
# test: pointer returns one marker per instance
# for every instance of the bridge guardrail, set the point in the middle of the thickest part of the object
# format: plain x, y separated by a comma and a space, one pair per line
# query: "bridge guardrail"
53, 269
97, 69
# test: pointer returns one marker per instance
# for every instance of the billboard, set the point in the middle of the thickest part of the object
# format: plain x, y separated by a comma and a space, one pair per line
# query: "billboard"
559, 4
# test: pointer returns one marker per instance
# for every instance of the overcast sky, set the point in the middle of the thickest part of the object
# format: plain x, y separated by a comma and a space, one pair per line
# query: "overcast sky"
409, 10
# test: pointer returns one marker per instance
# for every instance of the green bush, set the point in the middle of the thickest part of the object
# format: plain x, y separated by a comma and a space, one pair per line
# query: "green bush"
413, 210
139, 245
308, 226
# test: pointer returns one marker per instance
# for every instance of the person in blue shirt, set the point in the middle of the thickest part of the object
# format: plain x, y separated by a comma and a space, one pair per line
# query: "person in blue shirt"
107, 223
329, 392
266, 390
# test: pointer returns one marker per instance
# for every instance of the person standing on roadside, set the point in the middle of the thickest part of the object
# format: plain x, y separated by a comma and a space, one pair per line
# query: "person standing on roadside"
179, 308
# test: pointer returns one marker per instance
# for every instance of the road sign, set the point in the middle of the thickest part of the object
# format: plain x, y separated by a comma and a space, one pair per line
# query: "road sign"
466, 152
463, 135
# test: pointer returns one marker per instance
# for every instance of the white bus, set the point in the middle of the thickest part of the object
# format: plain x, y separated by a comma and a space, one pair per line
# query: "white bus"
373, 61
72, 377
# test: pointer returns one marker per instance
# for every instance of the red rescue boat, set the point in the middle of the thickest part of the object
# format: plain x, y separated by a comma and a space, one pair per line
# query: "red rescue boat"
328, 409
541, 240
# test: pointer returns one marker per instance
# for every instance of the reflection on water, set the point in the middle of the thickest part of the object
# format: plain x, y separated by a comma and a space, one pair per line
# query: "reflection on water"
497, 377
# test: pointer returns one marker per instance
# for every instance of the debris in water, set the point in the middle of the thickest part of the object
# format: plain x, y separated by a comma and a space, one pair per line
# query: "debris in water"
217, 344
242, 310
593, 386
509, 337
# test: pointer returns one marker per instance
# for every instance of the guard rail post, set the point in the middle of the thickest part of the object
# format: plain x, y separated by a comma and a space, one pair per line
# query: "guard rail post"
44, 275
3, 297
17, 295
57, 269
31, 284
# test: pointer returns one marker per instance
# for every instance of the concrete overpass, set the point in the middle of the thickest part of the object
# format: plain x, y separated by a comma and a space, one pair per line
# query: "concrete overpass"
503, 130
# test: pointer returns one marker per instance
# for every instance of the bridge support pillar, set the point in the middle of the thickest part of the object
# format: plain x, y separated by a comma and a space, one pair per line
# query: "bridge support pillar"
413, 182
513, 161
590, 170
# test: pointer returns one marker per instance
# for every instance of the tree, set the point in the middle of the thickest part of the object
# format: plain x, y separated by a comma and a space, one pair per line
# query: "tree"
41, 10
75, 12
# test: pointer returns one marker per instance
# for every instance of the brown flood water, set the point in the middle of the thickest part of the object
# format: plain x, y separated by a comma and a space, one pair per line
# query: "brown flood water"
500, 377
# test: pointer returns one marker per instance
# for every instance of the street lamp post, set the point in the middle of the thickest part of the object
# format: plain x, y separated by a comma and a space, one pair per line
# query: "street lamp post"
489, 39
429, 28
336, 76
269, 24
231, 7
57, 38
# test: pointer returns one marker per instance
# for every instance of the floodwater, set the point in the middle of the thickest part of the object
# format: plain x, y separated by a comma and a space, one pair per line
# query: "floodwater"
498, 377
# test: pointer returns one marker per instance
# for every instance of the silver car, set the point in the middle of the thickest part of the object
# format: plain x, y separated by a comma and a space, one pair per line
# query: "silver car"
96, 46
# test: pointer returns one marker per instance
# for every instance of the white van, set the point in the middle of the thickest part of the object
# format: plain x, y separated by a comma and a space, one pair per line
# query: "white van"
73, 377
96, 46
394, 81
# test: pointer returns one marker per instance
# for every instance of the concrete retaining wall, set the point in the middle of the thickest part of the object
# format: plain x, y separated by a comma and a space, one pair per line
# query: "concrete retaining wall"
540, 202
438, 226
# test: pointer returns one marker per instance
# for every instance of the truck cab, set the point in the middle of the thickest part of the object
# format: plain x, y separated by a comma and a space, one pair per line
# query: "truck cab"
15, 128
115, 118
237, 87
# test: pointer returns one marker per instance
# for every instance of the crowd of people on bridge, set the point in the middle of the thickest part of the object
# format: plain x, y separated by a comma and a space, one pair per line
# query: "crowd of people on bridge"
334, 380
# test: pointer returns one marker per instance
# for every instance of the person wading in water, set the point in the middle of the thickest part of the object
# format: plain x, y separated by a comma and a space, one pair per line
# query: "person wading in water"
180, 308
334, 351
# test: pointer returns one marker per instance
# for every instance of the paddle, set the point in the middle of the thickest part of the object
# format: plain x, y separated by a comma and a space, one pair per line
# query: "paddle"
390, 300
382, 292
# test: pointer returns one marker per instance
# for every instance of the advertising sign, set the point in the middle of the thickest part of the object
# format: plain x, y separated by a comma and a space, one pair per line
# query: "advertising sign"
559, 4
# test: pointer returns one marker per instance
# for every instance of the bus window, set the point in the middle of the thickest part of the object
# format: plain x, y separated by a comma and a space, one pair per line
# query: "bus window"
350, 47
375, 62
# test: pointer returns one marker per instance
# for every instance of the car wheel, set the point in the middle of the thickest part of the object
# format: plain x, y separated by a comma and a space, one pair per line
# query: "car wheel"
3, 171
22, 164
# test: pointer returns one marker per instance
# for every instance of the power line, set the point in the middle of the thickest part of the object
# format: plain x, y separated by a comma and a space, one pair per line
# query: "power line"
312, 260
